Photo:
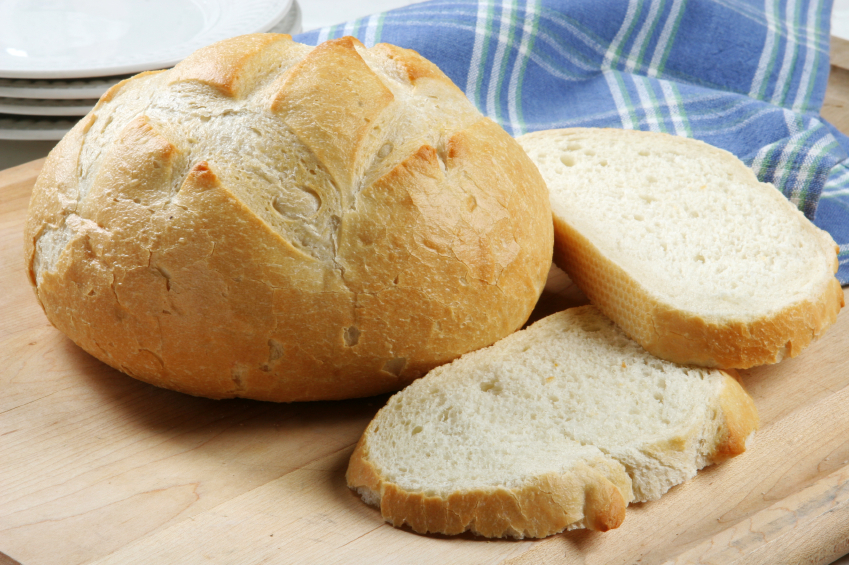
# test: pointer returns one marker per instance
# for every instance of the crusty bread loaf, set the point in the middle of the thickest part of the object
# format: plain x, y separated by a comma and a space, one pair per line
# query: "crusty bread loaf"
558, 426
275, 221
683, 248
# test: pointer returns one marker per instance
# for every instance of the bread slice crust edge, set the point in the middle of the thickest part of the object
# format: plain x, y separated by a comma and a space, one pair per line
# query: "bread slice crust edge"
677, 335
739, 419
684, 337
591, 495
544, 502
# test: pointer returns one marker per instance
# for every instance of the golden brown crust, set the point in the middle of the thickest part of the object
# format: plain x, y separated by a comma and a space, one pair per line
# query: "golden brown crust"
687, 338
55, 193
175, 275
113, 91
361, 473
604, 507
590, 496
227, 65
740, 418
415, 66
332, 100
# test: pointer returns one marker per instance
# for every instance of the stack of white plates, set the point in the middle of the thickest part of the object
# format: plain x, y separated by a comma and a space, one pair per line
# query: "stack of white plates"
58, 57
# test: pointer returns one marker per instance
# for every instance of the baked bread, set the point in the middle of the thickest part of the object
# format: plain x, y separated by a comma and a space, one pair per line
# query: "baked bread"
275, 221
558, 426
683, 248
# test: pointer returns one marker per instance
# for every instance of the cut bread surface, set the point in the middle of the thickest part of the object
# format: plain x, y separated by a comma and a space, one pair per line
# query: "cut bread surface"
679, 243
571, 399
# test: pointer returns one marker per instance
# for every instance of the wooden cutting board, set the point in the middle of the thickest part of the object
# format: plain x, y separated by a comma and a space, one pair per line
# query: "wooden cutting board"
96, 467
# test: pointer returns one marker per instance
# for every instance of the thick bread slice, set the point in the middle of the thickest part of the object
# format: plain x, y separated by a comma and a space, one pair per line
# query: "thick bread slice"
555, 427
682, 247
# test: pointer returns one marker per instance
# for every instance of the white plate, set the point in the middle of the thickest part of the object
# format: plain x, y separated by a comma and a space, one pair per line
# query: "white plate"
58, 89
34, 128
40, 128
95, 87
90, 38
291, 22
36, 107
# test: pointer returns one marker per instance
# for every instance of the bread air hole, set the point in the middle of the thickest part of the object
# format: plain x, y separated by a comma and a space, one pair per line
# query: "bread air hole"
441, 160
166, 275
385, 150
567, 160
493, 387
275, 352
417, 430
238, 374
395, 366
352, 336
299, 203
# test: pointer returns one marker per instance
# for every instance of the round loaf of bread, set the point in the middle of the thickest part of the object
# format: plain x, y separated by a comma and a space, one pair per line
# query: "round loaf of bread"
276, 221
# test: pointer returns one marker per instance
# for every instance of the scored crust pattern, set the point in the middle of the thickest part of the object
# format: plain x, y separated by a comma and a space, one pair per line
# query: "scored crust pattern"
275, 221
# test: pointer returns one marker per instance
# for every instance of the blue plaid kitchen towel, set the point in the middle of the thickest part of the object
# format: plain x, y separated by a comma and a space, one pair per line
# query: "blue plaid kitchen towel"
748, 76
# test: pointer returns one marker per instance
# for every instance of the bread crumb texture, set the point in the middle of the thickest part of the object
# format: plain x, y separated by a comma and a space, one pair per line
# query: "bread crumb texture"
275, 221
679, 243
556, 427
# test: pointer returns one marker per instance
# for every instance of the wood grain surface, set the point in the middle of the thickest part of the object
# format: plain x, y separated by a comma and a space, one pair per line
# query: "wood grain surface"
100, 468
835, 107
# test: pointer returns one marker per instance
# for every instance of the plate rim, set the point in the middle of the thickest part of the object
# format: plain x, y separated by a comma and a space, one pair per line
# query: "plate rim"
38, 134
55, 134
82, 107
82, 92
108, 70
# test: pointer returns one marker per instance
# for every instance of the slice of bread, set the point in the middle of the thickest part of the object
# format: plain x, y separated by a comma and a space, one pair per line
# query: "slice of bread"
683, 248
555, 427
